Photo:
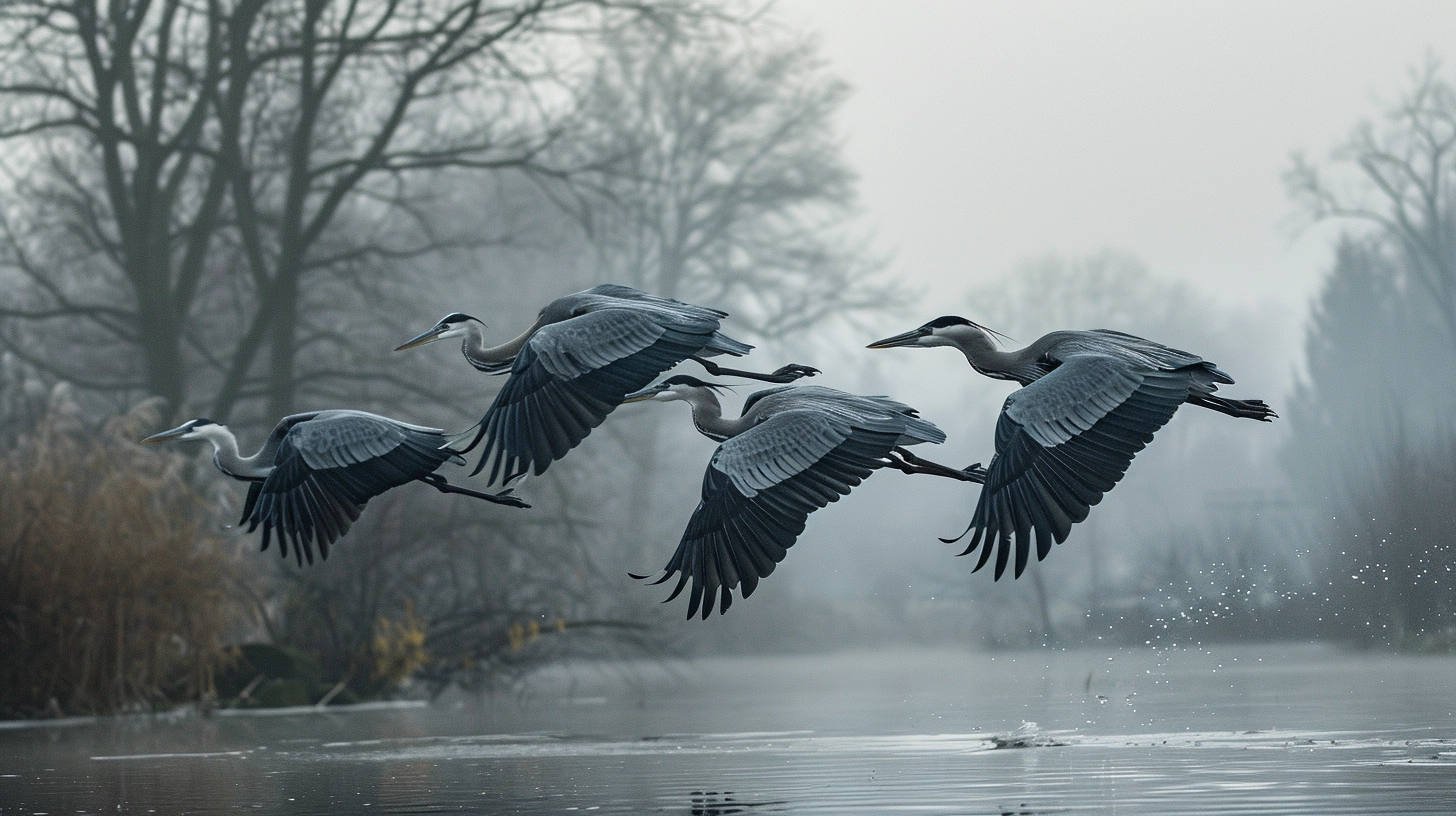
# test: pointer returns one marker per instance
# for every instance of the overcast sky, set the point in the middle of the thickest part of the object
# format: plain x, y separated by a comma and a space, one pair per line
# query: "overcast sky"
990, 133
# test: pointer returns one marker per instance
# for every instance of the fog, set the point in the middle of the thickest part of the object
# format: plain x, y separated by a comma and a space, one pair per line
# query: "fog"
1246, 182
236, 211
987, 134
996, 138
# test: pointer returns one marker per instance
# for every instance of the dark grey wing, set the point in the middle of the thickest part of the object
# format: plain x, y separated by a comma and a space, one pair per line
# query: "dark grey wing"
758, 492
326, 469
1061, 443
570, 375
617, 290
1157, 355
254, 488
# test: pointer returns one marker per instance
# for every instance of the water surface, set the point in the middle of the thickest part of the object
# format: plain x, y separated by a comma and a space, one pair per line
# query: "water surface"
1219, 730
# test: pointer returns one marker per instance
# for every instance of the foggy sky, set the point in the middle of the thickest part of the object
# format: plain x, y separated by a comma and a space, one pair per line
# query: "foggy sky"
990, 133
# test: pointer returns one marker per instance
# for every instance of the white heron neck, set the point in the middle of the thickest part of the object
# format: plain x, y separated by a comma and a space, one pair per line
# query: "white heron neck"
981, 352
489, 358
225, 454
708, 416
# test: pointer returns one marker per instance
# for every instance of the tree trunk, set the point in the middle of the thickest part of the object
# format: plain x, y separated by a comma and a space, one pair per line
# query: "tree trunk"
282, 342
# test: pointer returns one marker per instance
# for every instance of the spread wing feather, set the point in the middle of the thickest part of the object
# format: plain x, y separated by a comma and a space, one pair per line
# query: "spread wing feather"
757, 497
327, 468
1055, 457
571, 374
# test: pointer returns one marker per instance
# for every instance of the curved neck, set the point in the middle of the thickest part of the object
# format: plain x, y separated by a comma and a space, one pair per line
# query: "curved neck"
984, 357
708, 416
225, 454
493, 358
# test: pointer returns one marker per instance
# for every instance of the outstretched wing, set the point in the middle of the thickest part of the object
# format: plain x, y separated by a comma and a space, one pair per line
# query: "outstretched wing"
759, 490
571, 374
326, 469
1061, 443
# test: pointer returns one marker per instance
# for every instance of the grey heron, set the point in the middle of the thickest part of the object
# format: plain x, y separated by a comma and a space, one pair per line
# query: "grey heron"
571, 368
1089, 401
310, 480
793, 450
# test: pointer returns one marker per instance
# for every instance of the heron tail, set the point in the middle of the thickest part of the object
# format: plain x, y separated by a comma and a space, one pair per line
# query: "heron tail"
720, 343
922, 430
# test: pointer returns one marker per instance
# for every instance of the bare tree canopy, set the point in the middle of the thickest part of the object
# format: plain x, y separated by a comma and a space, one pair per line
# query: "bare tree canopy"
1399, 174
715, 175
180, 171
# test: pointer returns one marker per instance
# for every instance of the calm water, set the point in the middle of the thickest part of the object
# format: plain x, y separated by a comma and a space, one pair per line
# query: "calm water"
1256, 730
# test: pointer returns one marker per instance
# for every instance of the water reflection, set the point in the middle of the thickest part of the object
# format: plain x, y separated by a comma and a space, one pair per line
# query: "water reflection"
713, 803
1271, 731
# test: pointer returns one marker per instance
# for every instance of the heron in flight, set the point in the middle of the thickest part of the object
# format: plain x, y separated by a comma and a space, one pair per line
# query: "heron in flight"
313, 476
1089, 401
793, 450
572, 367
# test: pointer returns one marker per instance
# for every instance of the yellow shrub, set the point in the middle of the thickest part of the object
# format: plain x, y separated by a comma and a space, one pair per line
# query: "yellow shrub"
398, 648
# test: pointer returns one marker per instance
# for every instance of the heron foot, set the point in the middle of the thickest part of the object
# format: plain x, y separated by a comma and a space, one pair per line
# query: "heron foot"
791, 372
503, 497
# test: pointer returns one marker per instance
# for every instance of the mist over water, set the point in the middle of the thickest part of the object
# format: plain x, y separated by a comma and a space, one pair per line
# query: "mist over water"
1287, 729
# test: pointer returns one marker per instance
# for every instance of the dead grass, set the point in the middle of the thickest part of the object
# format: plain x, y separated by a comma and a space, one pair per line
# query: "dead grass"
113, 596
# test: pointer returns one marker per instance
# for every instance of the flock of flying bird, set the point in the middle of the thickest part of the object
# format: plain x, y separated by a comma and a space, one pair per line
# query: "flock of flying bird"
1089, 401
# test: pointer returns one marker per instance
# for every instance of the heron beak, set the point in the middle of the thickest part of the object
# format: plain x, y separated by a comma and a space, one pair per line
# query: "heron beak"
906, 339
422, 339
645, 394
165, 436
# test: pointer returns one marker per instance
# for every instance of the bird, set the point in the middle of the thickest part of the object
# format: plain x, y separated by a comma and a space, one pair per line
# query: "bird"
572, 366
317, 470
793, 450
1088, 402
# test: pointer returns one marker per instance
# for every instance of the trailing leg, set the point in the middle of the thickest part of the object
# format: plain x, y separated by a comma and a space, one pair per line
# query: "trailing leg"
787, 374
904, 461
438, 482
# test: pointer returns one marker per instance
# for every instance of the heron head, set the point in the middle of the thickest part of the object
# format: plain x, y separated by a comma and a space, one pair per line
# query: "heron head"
676, 387
454, 324
948, 330
191, 429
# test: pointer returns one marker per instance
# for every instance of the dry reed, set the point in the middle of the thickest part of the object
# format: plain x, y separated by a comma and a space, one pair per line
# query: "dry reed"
113, 596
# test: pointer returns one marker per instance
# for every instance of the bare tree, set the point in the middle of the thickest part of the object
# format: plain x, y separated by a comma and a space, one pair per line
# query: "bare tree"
1371, 434
204, 162
1404, 184
719, 176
